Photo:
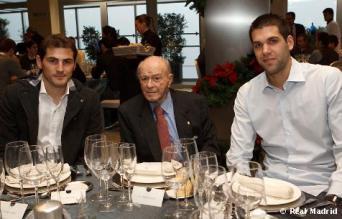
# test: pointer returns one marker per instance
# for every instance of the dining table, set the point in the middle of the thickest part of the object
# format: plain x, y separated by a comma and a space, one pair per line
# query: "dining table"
89, 208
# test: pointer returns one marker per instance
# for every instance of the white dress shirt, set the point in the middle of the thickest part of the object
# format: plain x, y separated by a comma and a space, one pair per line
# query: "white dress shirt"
51, 116
301, 127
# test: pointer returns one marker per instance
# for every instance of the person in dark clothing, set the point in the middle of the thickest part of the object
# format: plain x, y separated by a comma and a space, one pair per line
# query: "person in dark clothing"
28, 60
143, 24
323, 54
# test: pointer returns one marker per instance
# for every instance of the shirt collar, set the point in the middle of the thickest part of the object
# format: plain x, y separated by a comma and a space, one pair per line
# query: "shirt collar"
166, 104
70, 85
296, 74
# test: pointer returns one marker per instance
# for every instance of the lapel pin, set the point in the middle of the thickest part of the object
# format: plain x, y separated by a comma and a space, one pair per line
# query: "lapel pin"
188, 122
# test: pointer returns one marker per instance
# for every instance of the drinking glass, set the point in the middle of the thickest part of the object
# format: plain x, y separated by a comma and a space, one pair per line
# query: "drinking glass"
41, 167
247, 186
12, 161
202, 160
123, 197
128, 159
29, 160
191, 146
105, 160
54, 162
88, 146
2, 177
2, 181
175, 170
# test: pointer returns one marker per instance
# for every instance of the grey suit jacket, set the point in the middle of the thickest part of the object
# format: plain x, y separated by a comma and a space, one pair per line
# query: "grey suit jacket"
138, 126
19, 117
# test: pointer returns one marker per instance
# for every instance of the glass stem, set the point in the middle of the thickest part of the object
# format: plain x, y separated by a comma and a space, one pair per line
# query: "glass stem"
107, 195
129, 192
36, 194
186, 203
177, 201
59, 194
21, 190
100, 189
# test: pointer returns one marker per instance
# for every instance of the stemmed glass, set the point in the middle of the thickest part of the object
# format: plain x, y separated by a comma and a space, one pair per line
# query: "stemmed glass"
105, 160
29, 160
88, 146
128, 158
54, 162
2, 179
123, 197
247, 185
191, 146
2, 182
12, 161
175, 170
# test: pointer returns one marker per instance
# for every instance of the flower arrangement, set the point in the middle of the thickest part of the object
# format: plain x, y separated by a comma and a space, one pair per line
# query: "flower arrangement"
226, 79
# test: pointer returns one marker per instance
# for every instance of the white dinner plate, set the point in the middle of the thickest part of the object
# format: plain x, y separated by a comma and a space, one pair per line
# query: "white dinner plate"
14, 183
279, 201
147, 179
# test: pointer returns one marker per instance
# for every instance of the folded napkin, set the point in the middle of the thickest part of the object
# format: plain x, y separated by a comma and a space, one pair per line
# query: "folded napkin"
274, 189
148, 169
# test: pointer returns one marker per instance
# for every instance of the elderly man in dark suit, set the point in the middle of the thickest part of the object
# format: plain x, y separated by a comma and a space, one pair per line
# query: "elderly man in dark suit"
186, 114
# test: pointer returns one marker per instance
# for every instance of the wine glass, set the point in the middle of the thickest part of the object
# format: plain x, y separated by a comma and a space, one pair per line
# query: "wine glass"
203, 159
41, 167
54, 162
175, 170
128, 158
29, 160
191, 146
123, 197
12, 161
2, 178
105, 160
247, 185
88, 146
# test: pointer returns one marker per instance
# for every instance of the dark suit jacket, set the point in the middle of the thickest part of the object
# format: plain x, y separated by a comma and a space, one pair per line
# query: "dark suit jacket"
138, 126
19, 117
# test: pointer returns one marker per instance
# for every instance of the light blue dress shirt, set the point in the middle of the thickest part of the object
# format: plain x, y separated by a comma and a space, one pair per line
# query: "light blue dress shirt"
301, 127
169, 114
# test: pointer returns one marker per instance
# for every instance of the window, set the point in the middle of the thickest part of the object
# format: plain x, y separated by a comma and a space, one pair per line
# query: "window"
191, 35
75, 18
18, 23
118, 14
314, 15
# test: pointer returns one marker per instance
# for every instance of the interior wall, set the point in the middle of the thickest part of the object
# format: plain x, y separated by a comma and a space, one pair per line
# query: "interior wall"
226, 24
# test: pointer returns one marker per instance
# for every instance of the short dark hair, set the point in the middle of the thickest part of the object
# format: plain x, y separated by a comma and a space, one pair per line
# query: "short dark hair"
333, 39
7, 44
109, 31
328, 11
57, 41
144, 18
292, 14
323, 37
270, 20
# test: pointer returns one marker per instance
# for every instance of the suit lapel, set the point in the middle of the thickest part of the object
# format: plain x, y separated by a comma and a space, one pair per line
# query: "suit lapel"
148, 127
29, 99
181, 112
75, 103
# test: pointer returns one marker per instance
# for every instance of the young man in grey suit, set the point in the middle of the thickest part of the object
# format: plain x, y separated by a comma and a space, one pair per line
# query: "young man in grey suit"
53, 109
186, 113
